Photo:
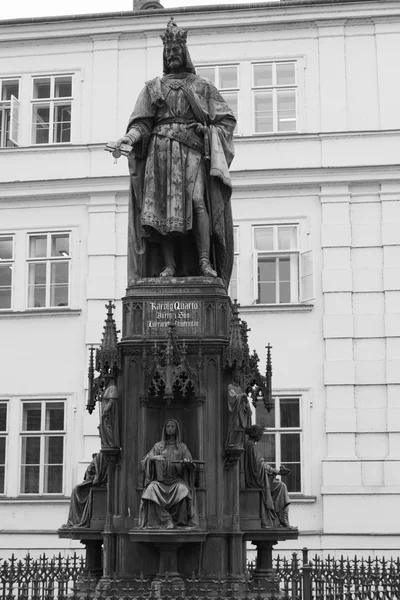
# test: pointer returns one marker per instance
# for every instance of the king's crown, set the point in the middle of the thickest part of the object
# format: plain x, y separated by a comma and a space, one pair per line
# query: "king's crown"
173, 33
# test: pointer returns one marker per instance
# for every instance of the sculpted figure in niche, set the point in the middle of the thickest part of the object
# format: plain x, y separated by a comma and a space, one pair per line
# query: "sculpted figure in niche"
181, 131
109, 426
169, 496
80, 508
259, 474
239, 412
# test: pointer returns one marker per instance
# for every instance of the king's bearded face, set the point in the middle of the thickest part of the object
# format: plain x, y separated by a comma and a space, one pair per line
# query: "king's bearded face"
174, 57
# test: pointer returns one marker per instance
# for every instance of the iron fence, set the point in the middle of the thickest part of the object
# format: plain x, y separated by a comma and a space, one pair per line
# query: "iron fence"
297, 577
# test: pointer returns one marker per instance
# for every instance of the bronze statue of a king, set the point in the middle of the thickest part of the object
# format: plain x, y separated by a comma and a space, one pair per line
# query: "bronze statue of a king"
181, 131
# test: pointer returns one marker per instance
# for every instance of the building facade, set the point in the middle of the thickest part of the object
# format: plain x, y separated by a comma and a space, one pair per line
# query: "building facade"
316, 206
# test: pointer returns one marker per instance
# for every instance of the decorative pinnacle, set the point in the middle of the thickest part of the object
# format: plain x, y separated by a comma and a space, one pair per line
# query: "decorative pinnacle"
107, 356
173, 33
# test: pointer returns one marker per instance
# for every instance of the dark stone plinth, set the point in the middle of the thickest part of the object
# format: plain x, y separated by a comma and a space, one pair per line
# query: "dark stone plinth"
198, 306
265, 540
168, 543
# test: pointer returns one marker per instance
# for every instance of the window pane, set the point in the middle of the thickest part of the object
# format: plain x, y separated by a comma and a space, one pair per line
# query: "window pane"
59, 284
263, 417
2, 450
3, 417
287, 238
290, 448
263, 114
41, 88
53, 467
285, 74
60, 244
54, 450
284, 280
41, 124
30, 450
54, 416
262, 75
228, 77
6, 248
53, 479
30, 479
62, 123
37, 246
5, 275
267, 293
231, 98
5, 298
267, 448
2, 473
37, 285
289, 412
31, 416
9, 88
293, 480
286, 110
5, 286
264, 238
207, 72
63, 87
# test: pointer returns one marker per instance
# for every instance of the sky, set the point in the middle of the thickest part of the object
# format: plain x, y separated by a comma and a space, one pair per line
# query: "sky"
20, 9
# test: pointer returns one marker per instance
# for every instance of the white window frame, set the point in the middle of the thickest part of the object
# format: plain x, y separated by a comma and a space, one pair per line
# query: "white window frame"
48, 260
4, 434
51, 102
294, 256
274, 88
277, 431
10, 108
9, 262
42, 433
217, 67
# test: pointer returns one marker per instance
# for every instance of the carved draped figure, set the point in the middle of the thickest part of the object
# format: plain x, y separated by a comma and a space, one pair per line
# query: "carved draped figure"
169, 494
109, 425
80, 508
239, 415
259, 474
168, 171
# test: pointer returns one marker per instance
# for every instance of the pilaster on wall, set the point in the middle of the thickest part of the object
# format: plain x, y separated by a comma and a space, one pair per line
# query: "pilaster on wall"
361, 290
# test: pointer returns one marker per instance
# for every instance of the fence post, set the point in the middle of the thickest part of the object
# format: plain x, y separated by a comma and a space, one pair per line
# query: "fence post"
307, 568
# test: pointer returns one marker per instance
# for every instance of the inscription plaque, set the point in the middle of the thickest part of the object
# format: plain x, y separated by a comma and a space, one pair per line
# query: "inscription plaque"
186, 314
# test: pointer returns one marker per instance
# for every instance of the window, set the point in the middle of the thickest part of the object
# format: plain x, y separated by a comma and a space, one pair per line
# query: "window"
234, 283
275, 97
3, 443
226, 79
277, 264
51, 109
9, 112
48, 269
6, 270
281, 443
42, 447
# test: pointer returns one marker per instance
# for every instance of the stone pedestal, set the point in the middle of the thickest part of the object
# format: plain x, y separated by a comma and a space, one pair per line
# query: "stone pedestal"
173, 356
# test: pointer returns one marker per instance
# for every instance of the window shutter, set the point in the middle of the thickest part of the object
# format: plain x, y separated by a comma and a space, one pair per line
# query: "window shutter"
307, 276
14, 121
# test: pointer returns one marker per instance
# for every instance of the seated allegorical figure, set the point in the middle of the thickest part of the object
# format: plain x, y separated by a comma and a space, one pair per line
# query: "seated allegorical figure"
169, 495
80, 508
259, 474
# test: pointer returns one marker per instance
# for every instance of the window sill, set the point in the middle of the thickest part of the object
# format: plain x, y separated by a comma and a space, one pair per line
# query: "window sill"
35, 499
302, 499
273, 308
39, 312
